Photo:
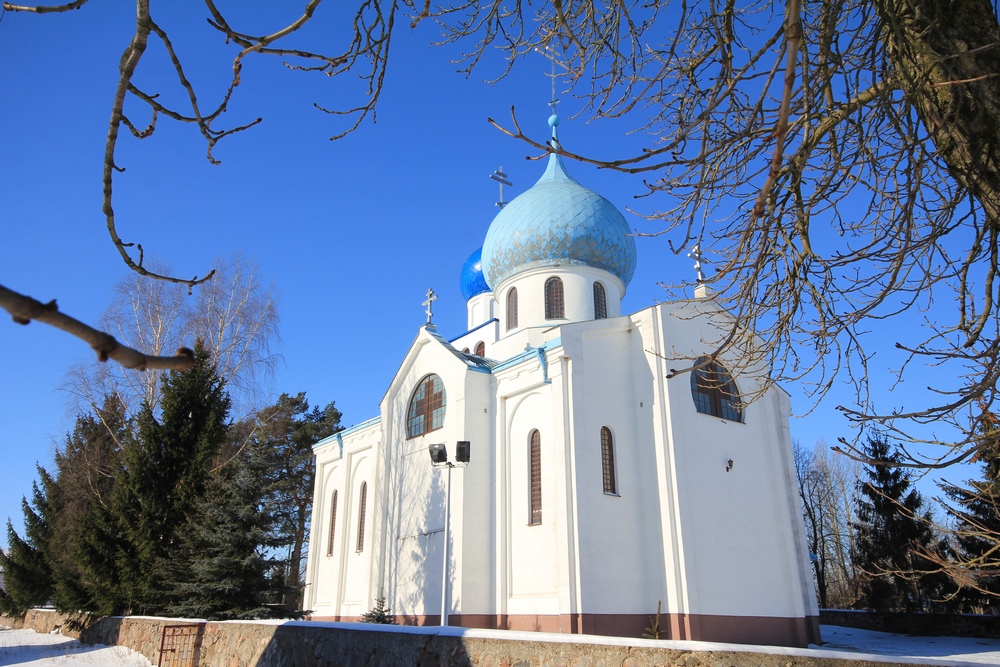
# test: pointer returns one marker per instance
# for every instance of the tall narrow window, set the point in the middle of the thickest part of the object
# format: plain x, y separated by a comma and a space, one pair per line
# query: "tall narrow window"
600, 302
555, 304
480, 349
511, 308
333, 524
427, 406
608, 461
362, 506
714, 391
535, 475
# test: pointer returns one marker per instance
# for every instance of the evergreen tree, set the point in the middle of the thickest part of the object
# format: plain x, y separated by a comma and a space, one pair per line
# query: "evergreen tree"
892, 530
166, 468
283, 444
976, 511
87, 467
221, 571
380, 613
27, 575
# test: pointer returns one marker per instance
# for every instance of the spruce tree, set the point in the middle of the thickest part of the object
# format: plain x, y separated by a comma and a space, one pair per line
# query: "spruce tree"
87, 466
976, 511
27, 575
220, 573
166, 468
890, 534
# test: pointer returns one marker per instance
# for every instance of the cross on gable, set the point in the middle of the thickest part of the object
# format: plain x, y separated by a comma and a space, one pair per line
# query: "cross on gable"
431, 298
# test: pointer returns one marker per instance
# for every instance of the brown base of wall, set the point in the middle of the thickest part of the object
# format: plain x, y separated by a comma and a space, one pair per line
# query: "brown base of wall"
763, 631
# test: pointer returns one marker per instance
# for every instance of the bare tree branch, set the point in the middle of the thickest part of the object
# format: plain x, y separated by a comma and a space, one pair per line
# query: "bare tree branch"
24, 309
44, 9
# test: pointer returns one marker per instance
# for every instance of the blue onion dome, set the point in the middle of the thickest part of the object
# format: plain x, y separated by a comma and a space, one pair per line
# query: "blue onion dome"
471, 279
558, 221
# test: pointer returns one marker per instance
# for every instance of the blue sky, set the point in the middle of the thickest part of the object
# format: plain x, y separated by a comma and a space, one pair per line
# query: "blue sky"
352, 232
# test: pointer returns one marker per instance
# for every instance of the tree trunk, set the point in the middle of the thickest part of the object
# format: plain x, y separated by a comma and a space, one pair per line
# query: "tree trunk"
947, 61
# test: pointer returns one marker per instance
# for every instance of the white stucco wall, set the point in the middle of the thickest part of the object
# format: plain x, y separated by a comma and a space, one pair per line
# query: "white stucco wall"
680, 529
739, 555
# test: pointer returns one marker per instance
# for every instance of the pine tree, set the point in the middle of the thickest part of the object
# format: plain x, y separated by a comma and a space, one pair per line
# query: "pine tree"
892, 530
283, 446
166, 468
27, 575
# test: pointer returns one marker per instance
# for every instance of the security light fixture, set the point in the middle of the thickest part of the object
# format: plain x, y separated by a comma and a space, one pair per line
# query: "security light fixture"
729, 465
439, 454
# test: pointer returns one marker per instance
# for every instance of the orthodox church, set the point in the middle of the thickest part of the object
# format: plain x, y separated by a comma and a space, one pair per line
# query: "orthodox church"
545, 470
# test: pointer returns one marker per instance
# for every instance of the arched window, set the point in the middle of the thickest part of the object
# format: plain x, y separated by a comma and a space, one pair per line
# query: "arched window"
600, 302
480, 349
426, 411
511, 308
714, 391
465, 350
333, 524
608, 461
535, 478
555, 304
362, 506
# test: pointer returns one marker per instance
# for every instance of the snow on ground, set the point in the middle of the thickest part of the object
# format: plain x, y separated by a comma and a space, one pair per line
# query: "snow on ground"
27, 647
916, 650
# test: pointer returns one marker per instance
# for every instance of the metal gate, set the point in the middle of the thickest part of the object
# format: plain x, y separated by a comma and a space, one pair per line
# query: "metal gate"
180, 645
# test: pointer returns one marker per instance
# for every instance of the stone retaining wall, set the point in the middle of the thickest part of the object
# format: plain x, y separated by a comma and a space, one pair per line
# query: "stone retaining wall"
312, 644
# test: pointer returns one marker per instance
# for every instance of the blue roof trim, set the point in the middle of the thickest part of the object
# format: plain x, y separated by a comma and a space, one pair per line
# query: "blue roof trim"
528, 354
486, 323
358, 427
338, 437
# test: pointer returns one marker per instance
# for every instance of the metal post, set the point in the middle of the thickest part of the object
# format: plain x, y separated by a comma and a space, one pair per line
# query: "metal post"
444, 567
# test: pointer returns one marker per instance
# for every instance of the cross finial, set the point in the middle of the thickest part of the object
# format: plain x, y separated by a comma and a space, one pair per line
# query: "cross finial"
695, 254
556, 58
500, 177
431, 298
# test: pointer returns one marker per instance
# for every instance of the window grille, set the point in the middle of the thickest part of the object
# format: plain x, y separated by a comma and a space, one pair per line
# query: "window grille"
333, 524
600, 302
362, 506
555, 303
426, 412
715, 392
512, 308
535, 474
608, 461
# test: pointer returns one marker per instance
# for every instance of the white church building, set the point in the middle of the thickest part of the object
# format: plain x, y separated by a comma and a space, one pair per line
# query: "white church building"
597, 487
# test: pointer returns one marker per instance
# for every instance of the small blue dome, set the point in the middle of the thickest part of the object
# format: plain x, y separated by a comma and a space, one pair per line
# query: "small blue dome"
471, 279
558, 221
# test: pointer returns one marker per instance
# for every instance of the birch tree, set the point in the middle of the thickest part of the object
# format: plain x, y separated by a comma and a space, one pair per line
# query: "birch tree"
234, 317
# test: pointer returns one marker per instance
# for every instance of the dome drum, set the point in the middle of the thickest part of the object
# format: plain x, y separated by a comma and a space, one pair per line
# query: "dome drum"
578, 295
